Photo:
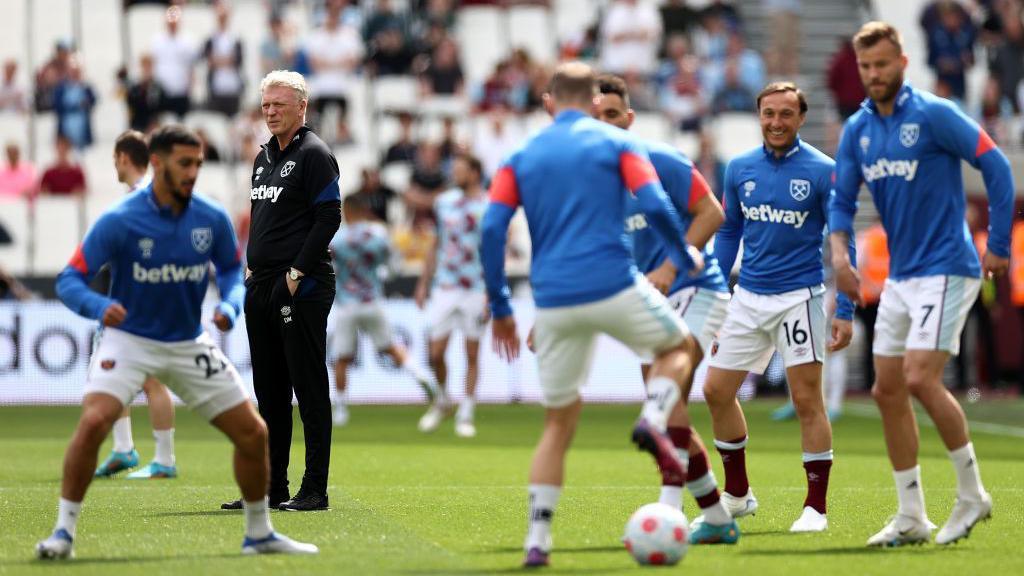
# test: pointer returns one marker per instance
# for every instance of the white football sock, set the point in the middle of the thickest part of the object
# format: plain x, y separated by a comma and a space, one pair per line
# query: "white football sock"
466, 407
968, 475
662, 395
910, 492
67, 515
123, 435
419, 373
671, 495
164, 447
257, 519
715, 514
543, 500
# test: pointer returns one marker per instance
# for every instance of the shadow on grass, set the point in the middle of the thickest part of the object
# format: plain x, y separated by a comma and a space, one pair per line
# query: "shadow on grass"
558, 551
112, 560
191, 513
851, 551
554, 569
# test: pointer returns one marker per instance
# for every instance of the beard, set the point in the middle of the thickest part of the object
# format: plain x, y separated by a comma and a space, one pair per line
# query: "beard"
890, 91
180, 196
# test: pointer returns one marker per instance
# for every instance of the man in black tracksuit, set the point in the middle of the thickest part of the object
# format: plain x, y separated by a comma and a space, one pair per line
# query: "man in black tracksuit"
296, 210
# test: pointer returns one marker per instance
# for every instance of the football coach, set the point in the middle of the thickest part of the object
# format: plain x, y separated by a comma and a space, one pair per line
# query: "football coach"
296, 210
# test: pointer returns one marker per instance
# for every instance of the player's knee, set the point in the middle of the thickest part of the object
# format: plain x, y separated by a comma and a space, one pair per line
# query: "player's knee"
917, 382
884, 394
95, 423
808, 404
436, 357
253, 441
715, 394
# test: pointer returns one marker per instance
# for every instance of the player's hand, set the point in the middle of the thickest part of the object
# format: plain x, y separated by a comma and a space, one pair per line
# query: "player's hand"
842, 333
114, 315
529, 340
698, 260
293, 285
248, 273
993, 266
505, 339
222, 322
663, 276
848, 282
421, 296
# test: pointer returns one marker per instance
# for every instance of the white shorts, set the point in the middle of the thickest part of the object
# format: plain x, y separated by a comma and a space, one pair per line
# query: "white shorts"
355, 318
702, 310
564, 337
196, 370
925, 313
759, 324
461, 310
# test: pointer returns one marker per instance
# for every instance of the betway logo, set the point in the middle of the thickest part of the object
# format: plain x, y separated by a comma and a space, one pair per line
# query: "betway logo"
765, 213
169, 273
264, 192
885, 168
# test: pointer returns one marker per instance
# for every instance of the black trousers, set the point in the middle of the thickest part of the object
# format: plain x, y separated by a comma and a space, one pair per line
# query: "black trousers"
288, 344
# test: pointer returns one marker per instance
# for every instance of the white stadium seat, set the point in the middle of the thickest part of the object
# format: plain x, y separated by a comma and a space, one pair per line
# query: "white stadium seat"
483, 40
530, 27
14, 217
736, 133
396, 93
59, 227
651, 126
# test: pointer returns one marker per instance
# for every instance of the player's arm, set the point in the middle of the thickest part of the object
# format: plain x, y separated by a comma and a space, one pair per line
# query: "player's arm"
429, 268
642, 181
960, 135
706, 211
228, 262
98, 248
321, 177
842, 208
727, 241
504, 196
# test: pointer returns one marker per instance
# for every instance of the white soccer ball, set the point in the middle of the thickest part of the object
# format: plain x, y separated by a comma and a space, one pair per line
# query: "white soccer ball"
656, 534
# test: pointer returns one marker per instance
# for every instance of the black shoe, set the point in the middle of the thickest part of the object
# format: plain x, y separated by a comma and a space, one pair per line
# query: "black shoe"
273, 502
305, 502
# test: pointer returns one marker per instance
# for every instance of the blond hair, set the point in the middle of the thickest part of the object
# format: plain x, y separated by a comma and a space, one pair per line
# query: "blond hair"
874, 32
288, 79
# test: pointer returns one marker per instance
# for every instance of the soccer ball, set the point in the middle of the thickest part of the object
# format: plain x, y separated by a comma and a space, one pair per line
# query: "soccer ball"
656, 534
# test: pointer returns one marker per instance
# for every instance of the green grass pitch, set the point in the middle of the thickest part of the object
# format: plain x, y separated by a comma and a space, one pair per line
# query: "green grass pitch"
405, 503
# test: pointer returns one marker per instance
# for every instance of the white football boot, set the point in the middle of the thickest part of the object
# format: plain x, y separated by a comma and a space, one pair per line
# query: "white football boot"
58, 546
810, 521
966, 513
903, 530
277, 544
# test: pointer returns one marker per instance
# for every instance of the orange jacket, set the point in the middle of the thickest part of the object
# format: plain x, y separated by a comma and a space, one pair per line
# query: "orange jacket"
1017, 264
873, 262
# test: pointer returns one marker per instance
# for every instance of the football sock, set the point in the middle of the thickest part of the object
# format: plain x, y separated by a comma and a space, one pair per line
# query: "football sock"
257, 519
123, 435
420, 374
701, 482
968, 475
67, 515
662, 395
734, 460
817, 466
466, 407
164, 447
543, 500
910, 492
672, 492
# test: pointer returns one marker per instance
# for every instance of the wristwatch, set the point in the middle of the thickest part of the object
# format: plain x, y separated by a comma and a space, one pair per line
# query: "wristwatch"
294, 275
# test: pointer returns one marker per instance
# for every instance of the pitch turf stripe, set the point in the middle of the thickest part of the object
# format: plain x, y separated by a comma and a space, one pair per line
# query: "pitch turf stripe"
973, 425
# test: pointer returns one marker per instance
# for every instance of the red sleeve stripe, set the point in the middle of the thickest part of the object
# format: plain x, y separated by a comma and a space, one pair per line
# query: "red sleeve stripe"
985, 143
78, 261
698, 188
637, 172
504, 189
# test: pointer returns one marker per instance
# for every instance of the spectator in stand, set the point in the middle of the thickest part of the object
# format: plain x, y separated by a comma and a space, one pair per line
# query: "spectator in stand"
843, 80
711, 165
65, 177
223, 54
449, 145
174, 57
1006, 55
12, 95
677, 46
711, 40
390, 53
375, 193
144, 98
73, 101
496, 90
405, 148
428, 40
335, 52
733, 96
529, 81
51, 74
427, 181
683, 98
784, 23
384, 17
750, 68
442, 75
495, 140
951, 47
631, 37
210, 152
726, 11
250, 132
12, 289
437, 12
277, 51
17, 177
676, 20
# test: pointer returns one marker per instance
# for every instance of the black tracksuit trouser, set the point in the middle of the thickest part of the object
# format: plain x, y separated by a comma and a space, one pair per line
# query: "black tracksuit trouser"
288, 344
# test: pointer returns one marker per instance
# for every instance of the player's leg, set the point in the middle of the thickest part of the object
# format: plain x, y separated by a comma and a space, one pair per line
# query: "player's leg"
375, 324
305, 352
123, 456
464, 425
836, 366
816, 443
345, 341
340, 414
564, 351
441, 315
161, 416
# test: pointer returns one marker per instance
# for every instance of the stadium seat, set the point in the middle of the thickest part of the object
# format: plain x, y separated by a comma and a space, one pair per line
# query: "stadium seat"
351, 161
736, 133
652, 126
217, 181
396, 176
14, 217
14, 128
531, 27
573, 17
395, 93
101, 51
456, 106
483, 40
687, 142
52, 20
59, 227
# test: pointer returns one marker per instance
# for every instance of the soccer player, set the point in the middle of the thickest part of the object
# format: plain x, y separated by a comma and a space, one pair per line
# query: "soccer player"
453, 278
573, 180
906, 146
131, 159
361, 250
160, 242
700, 300
776, 201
